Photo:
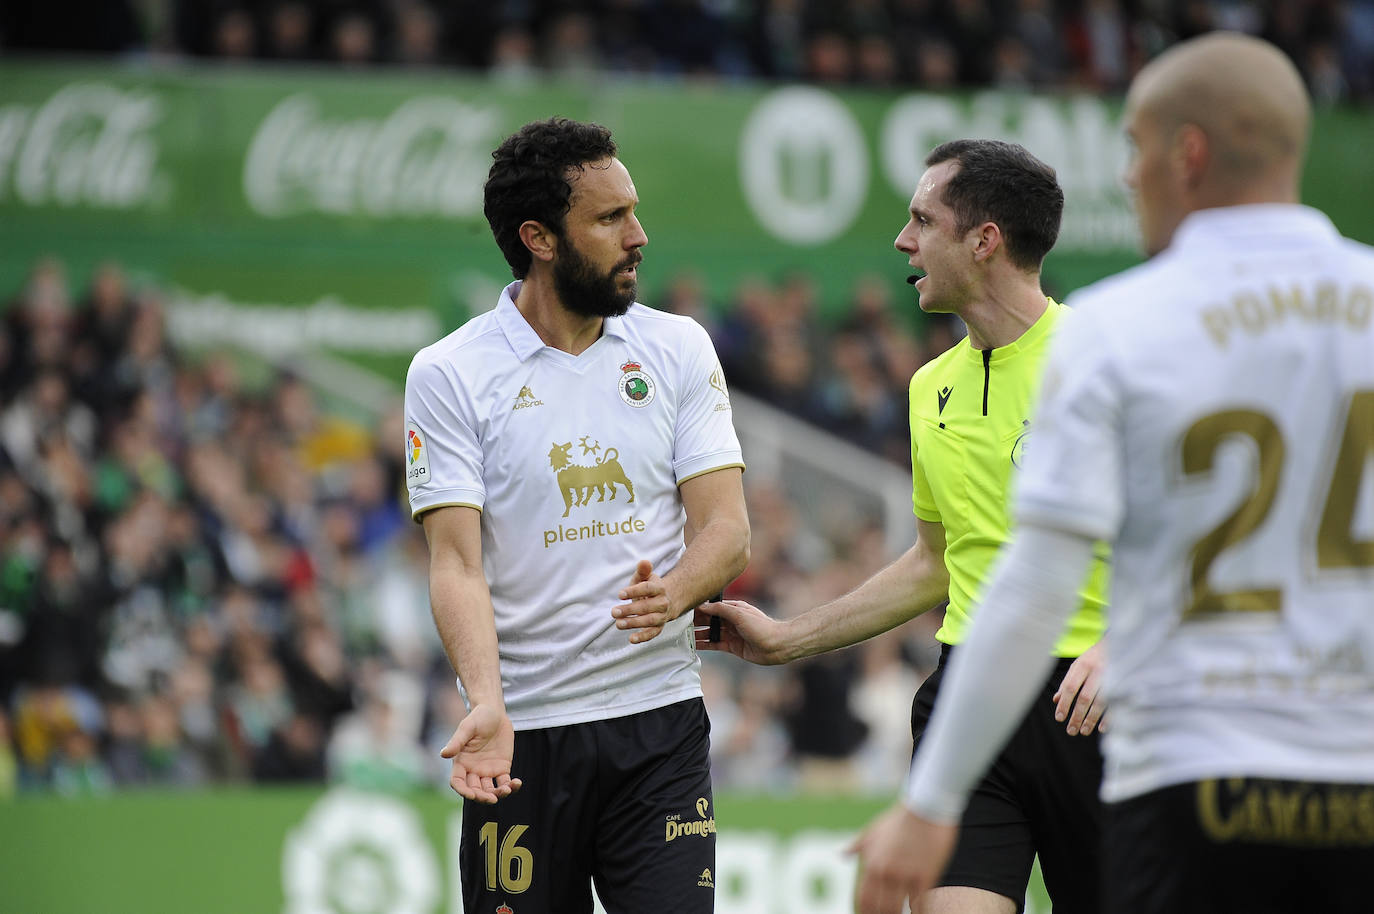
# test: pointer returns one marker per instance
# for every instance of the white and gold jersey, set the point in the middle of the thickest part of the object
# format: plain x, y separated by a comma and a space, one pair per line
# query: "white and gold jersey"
575, 463
1212, 413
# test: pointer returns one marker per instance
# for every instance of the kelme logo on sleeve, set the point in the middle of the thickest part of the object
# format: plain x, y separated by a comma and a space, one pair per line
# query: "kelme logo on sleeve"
417, 456
636, 388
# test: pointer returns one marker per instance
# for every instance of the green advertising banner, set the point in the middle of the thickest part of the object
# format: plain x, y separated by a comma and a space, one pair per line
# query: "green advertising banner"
308, 851
292, 209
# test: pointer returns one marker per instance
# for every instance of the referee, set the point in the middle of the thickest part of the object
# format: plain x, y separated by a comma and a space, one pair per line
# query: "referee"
983, 217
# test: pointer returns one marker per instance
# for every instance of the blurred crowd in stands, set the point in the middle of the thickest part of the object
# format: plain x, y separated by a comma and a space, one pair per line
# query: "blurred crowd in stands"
207, 576
933, 44
850, 379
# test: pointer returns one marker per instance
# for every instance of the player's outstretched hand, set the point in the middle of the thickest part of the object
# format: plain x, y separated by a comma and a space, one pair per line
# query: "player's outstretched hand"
745, 631
482, 749
901, 856
1079, 700
648, 607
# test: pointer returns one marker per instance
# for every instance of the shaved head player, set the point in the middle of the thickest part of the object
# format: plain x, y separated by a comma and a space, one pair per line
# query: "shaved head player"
1211, 413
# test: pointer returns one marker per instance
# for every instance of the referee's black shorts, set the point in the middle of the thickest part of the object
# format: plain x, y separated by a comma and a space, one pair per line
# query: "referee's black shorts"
625, 802
1242, 846
1039, 797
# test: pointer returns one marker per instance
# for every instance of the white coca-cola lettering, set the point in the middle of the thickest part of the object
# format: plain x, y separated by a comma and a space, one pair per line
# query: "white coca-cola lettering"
429, 158
90, 144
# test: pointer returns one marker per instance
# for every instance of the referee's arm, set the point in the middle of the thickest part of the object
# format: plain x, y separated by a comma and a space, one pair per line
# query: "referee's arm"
913, 584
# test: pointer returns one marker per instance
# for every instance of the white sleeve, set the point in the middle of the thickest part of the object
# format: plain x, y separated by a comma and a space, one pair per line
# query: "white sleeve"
998, 669
1073, 471
704, 439
443, 453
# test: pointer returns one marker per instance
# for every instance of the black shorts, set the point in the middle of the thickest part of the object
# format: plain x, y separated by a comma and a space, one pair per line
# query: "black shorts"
1242, 846
1039, 797
624, 802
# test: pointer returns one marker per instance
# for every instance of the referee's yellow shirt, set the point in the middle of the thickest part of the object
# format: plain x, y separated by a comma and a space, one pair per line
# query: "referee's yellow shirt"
970, 422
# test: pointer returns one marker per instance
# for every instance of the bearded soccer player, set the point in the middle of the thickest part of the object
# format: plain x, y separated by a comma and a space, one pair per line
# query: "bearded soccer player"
561, 448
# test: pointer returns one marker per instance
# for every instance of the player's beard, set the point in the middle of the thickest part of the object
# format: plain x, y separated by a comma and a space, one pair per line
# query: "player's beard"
584, 291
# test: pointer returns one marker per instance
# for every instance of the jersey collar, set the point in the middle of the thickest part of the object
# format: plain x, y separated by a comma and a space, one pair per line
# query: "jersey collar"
1240, 226
1033, 335
524, 342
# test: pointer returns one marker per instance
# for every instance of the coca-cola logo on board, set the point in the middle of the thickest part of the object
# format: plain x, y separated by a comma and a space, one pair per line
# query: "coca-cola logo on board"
89, 144
428, 158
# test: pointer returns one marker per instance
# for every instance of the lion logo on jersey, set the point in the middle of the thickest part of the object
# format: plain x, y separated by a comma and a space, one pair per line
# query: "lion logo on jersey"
576, 482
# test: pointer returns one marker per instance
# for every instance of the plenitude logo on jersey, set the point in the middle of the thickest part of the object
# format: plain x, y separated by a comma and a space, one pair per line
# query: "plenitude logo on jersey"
636, 388
595, 469
417, 456
703, 825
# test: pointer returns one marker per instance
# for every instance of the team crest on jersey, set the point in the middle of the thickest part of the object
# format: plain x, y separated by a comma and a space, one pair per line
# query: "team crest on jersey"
505, 909
636, 387
576, 481
417, 456
1018, 447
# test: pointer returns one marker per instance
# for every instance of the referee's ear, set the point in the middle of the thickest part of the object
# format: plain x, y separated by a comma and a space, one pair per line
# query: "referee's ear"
541, 241
987, 241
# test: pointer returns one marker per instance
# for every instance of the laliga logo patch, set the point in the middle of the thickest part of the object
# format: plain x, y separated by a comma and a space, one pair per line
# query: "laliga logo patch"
417, 457
636, 388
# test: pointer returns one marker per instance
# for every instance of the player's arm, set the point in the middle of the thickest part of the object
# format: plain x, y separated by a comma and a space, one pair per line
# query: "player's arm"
916, 582
484, 743
717, 537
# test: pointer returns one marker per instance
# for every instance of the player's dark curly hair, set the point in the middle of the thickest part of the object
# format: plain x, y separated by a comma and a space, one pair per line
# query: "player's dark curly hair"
1003, 183
529, 180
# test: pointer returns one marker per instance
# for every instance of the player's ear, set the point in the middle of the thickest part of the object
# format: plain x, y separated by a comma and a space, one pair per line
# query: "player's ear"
1192, 154
540, 239
987, 238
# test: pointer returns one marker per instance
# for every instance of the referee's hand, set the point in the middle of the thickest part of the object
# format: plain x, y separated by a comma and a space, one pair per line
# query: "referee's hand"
1079, 699
745, 631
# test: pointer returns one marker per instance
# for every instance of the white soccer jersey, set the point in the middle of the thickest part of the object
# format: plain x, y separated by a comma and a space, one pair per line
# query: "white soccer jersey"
1212, 411
575, 462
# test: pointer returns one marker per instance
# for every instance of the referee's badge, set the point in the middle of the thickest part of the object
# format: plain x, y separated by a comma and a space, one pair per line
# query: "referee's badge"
1018, 447
636, 388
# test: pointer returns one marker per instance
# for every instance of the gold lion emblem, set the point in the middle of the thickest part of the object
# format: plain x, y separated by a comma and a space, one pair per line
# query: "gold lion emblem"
575, 482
